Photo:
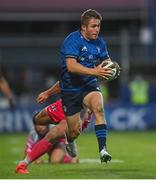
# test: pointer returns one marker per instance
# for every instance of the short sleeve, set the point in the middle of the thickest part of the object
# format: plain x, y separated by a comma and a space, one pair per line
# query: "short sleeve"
70, 47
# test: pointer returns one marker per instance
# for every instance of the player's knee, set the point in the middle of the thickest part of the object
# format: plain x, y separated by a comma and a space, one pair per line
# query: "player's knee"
73, 136
75, 133
98, 110
55, 160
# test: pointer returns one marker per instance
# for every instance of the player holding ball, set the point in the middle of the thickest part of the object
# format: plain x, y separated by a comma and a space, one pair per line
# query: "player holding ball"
81, 51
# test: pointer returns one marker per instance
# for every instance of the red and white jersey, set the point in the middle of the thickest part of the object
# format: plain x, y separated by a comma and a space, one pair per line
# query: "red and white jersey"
55, 111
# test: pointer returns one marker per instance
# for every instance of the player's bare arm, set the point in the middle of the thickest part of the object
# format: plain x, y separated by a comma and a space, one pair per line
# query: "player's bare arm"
43, 96
5, 89
74, 67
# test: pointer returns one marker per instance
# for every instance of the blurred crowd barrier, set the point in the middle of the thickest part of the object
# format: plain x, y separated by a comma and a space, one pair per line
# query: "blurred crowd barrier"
120, 116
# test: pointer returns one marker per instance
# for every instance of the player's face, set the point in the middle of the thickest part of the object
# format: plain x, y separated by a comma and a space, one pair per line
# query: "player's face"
91, 31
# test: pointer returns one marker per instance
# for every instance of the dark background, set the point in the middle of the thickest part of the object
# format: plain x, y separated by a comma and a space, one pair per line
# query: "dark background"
31, 32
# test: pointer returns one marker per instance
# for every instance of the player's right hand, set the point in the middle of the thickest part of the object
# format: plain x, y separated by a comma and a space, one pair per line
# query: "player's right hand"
102, 71
42, 97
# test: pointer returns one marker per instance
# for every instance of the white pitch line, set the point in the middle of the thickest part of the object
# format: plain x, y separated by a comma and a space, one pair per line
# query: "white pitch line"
98, 161
92, 161
85, 160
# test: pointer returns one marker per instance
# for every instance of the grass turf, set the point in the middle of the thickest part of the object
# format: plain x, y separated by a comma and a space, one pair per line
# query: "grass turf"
134, 157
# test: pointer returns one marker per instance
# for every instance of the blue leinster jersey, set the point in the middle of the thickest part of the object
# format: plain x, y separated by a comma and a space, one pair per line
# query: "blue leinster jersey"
88, 54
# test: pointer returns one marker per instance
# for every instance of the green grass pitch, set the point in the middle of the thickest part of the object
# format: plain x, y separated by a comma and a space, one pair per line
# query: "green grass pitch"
134, 157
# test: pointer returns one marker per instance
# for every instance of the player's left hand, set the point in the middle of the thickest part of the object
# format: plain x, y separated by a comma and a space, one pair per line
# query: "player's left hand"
42, 97
102, 71
118, 69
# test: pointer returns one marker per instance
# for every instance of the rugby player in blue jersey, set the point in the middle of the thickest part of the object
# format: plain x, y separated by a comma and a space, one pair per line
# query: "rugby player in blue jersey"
83, 54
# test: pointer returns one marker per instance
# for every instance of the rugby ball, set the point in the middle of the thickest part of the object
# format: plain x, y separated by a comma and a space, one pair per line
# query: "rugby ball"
111, 64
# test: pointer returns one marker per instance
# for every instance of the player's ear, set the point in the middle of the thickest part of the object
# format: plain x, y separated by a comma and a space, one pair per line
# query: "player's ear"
83, 27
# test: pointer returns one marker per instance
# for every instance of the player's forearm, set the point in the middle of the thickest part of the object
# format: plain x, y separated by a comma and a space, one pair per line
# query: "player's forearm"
4, 87
42, 97
77, 68
54, 89
80, 69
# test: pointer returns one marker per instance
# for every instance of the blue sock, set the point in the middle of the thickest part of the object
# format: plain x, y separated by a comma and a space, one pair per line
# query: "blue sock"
101, 134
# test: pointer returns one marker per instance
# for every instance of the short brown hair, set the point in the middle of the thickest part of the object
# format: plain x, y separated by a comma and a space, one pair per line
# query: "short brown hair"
88, 14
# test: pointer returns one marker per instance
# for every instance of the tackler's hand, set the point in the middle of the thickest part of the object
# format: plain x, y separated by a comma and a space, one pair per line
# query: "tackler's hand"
42, 97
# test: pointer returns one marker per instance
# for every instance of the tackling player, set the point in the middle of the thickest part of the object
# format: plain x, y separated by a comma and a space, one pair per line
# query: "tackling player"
57, 154
52, 114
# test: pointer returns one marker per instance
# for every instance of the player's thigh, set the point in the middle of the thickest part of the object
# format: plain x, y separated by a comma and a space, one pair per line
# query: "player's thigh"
94, 100
57, 153
42, 118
